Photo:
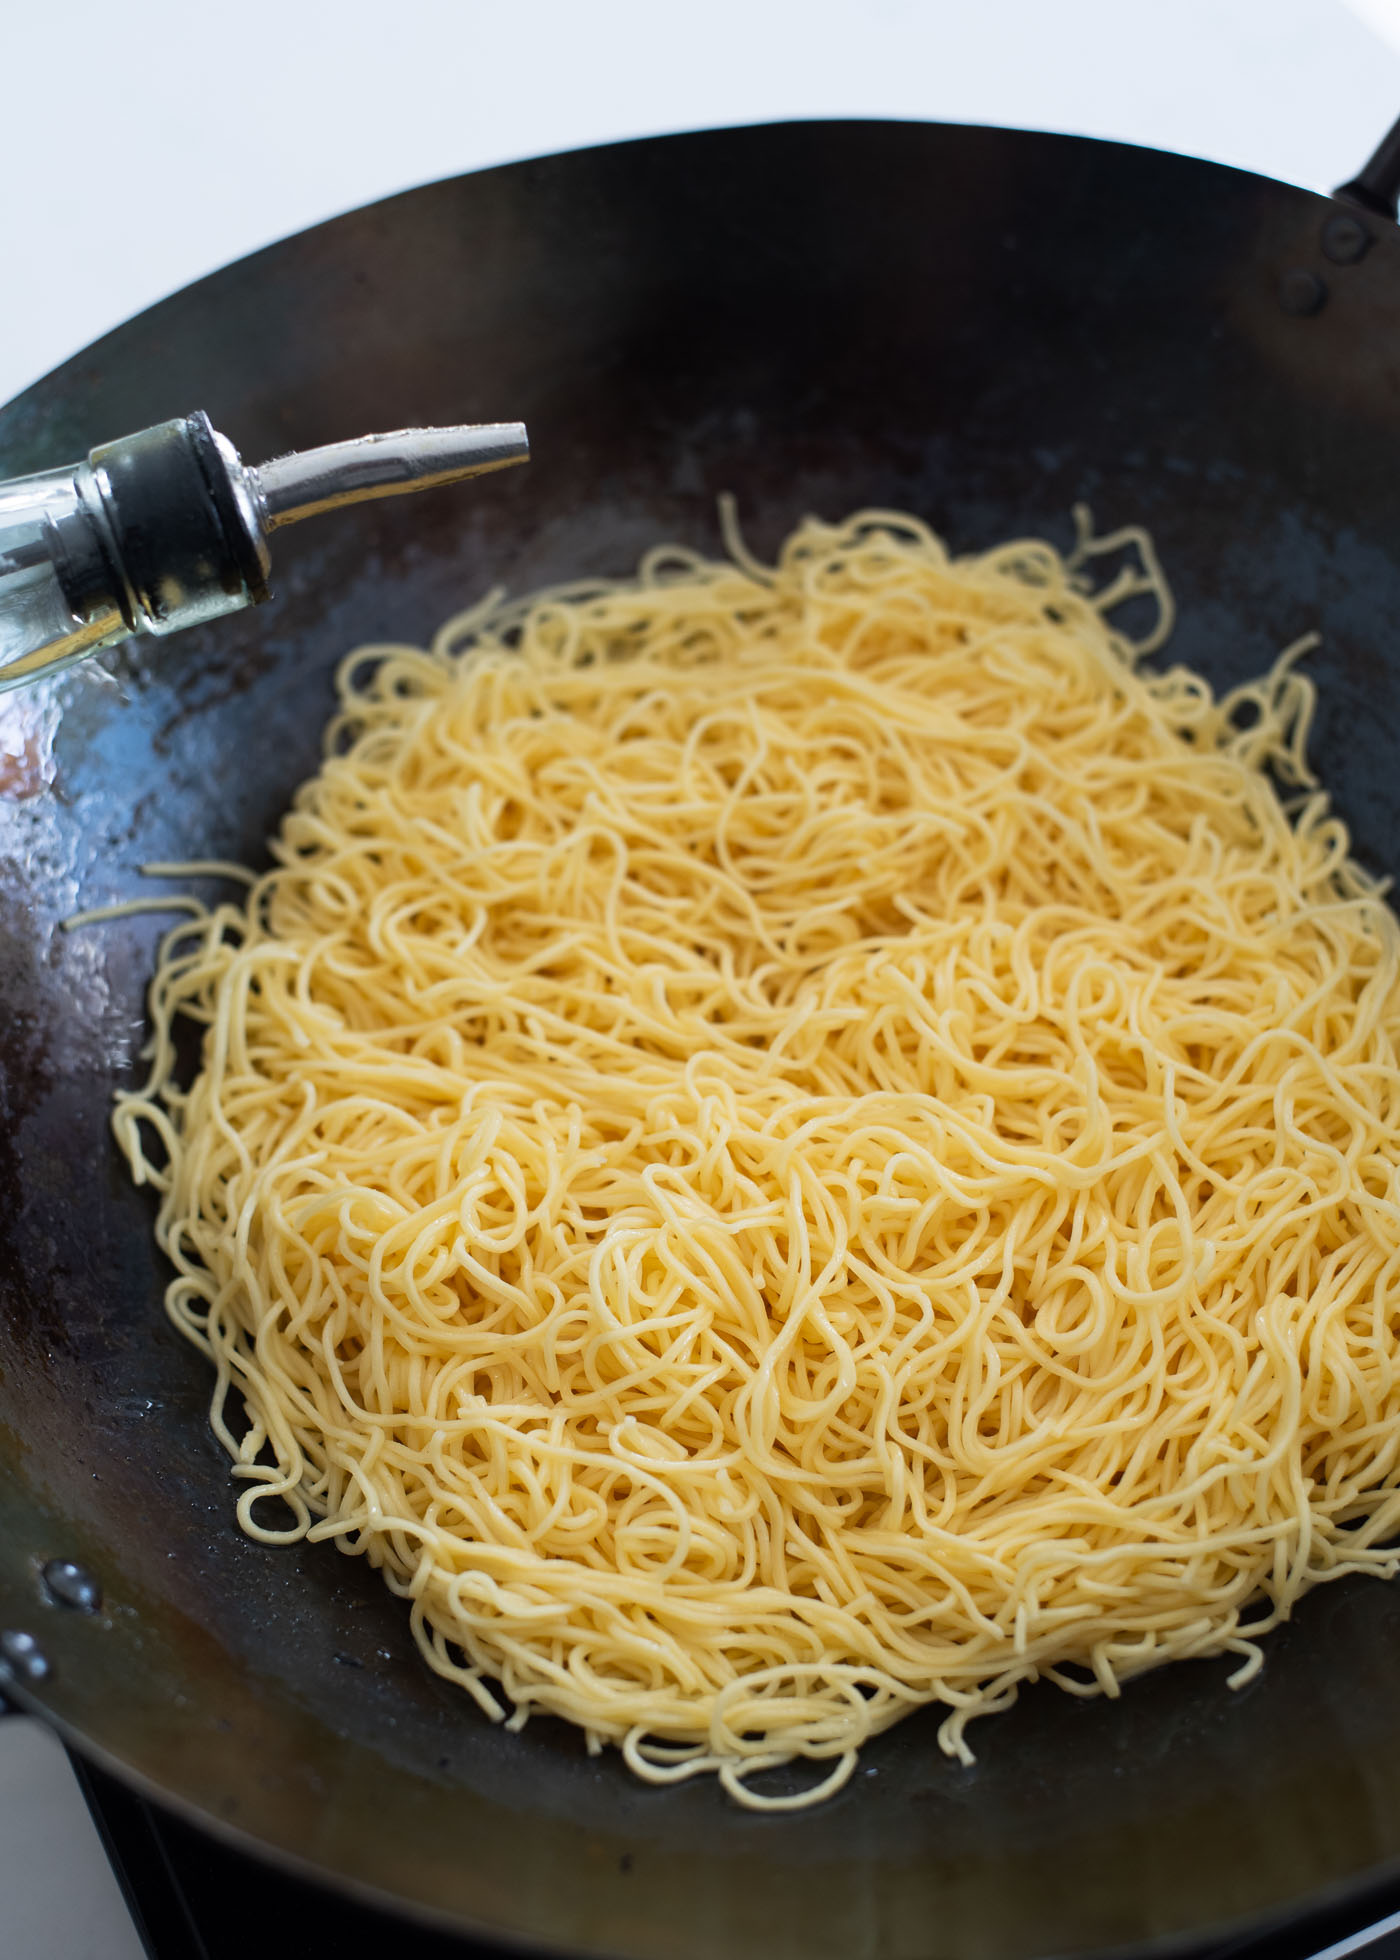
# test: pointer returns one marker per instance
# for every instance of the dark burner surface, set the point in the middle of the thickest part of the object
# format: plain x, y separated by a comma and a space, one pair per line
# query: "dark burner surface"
194, 1899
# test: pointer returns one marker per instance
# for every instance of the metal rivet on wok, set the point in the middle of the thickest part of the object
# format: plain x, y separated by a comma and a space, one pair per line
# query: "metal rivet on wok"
21, 1658
69, 1584
1345, 239
1301, 292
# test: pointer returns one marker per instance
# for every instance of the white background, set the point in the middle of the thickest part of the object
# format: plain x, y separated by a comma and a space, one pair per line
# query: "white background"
148, 141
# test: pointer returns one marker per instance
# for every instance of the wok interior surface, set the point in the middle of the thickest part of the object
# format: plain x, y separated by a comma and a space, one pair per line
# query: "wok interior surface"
978, 326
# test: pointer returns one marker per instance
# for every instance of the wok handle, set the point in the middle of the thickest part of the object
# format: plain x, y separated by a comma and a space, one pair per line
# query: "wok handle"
1376, 186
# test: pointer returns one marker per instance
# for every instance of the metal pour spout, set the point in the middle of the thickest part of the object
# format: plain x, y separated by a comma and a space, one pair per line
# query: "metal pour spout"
168, 528
314, 480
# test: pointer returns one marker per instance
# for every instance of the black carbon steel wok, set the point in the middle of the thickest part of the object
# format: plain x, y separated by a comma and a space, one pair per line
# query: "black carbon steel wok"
980, 326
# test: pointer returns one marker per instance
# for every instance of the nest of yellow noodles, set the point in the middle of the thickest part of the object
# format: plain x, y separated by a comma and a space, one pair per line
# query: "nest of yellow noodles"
785, 1144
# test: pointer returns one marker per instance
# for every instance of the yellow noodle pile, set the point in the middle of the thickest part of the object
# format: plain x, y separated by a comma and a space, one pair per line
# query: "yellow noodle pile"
783, 1145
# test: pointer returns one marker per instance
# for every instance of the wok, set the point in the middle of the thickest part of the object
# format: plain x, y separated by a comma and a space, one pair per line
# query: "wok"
980, 326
